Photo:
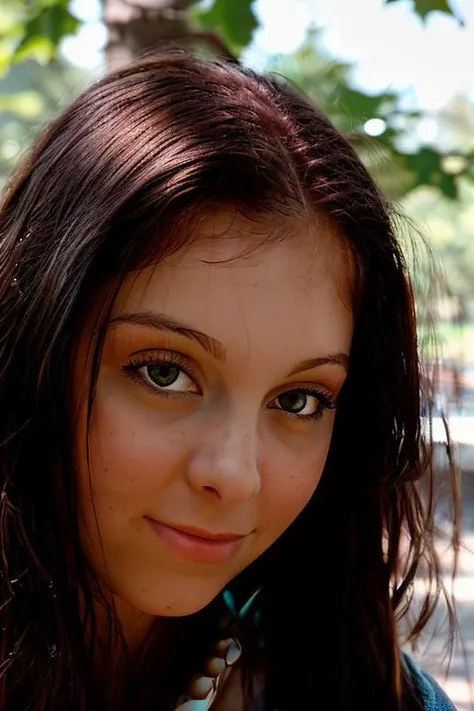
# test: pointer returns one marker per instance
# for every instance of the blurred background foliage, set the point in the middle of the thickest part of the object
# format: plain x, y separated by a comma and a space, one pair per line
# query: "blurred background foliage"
433, 180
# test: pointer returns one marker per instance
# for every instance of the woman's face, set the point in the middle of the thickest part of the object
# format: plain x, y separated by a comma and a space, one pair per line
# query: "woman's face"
213, 412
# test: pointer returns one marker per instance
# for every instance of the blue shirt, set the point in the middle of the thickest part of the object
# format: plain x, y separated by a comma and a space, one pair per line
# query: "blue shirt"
432, 695
434, 698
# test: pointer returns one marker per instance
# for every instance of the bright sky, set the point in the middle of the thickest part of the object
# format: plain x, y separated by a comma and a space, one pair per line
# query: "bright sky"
389, 45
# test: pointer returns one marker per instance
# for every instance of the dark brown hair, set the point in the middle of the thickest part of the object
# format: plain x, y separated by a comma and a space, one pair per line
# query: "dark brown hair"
109, 187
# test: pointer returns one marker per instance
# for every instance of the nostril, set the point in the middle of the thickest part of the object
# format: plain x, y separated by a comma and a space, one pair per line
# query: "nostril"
211, 490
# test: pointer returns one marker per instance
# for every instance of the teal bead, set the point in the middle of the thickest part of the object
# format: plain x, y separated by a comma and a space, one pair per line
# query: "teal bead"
195, 705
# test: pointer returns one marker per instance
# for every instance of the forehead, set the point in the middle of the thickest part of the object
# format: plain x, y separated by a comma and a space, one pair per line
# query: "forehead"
261, 277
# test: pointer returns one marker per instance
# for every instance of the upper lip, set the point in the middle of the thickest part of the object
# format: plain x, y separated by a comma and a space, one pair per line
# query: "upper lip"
206, 535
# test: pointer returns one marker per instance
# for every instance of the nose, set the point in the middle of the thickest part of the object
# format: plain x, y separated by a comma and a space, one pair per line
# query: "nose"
225, 463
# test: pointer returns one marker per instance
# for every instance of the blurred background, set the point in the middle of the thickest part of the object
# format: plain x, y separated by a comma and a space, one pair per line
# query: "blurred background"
395, 76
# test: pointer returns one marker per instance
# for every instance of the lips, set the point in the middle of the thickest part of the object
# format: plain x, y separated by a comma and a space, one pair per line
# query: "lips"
197, 544
207, 535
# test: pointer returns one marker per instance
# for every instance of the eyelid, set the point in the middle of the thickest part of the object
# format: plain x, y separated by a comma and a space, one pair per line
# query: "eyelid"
167, 355
309, 388
149, 356
314, 391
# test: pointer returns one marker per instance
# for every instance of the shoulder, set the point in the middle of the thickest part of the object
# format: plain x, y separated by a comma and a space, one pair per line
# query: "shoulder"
433, 697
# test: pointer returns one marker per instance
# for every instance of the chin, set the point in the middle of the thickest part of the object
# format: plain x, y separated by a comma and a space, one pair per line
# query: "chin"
181, 604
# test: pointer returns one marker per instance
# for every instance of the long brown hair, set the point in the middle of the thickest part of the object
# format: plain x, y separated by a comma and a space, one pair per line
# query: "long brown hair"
115, 183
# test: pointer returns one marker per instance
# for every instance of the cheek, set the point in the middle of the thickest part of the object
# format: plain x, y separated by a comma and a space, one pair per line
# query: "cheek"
132, 460
290, 478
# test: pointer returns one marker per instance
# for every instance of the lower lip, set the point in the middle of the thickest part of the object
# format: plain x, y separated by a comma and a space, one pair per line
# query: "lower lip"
200, 550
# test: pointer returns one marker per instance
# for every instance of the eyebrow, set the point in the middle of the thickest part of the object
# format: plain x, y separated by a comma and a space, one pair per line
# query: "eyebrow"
340, 359
162, 322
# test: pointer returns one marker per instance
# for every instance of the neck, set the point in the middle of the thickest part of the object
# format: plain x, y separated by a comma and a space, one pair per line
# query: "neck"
119, 647
120, 633
135, 626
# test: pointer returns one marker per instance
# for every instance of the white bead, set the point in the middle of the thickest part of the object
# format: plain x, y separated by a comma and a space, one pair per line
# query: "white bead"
234, 653
214, 666
200, 687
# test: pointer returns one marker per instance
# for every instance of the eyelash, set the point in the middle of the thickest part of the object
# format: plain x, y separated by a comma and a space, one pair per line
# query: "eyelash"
326, 400
170, 358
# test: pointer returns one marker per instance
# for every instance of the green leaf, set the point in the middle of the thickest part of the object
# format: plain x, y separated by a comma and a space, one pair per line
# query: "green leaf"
234, 19
426, 168
7, 21
424, 7
25, 104
426, 163
47, 25
39, 48
448, 186
361, 107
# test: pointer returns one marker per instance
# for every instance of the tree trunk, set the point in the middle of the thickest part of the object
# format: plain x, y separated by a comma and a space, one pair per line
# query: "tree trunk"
137, 27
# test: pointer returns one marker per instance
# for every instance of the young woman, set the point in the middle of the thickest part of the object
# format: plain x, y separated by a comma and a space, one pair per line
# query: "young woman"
210, 440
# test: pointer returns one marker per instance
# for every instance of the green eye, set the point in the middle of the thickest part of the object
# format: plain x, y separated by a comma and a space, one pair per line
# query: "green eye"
306, 403
167, 377
294, 401
163, 374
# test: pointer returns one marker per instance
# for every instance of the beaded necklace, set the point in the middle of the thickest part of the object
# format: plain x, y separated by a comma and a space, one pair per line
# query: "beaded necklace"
204, 688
